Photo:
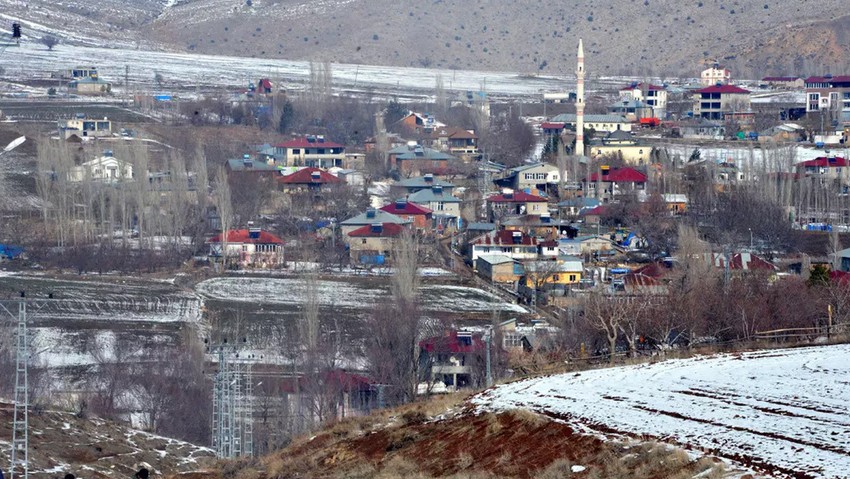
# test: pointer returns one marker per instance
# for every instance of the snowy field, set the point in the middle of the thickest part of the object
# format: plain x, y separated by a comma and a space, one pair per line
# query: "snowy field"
349, 294
785, 411
189, 69
743, 155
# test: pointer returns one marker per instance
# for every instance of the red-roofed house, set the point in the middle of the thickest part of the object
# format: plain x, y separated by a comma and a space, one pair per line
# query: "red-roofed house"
516, 203
453, 359
743, 262
513, 244
613, 182
373, 244
312, 178
312, 151
250, 247
552, 127
419, 215
827, 168
714, 102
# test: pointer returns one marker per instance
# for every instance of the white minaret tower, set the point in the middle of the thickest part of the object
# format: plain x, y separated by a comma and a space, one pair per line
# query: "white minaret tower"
580, 101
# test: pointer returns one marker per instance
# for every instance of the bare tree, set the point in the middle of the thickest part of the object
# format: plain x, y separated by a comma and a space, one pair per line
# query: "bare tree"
224, 206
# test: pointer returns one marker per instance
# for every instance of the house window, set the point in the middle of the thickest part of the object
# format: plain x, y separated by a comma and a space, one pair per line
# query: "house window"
572, 278
555, 277
512, 340
363, 241
296, 151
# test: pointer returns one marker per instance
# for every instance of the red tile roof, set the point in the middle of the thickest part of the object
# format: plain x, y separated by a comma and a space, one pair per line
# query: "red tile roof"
723, 89
408, 209
243, 237
516, 197
639, 86
388, 230
550, 125
823, 161
505, 237
306, 177
621, 175
450, 343
597, 211
304, 143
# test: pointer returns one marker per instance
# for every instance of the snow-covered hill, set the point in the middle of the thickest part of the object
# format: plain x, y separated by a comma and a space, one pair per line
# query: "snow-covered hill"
785, 411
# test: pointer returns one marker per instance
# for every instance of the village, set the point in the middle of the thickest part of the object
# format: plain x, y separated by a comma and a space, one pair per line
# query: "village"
602, 224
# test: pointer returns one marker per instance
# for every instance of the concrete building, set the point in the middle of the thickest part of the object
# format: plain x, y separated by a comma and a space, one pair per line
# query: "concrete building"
249, 247
718, 101
597, 123
498, 268
313, 151
83, 127
653, 96
90, 86
715, 75
829, 93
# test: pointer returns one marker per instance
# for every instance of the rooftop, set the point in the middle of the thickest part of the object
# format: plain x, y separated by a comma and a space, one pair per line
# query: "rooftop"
404, 207
724, 89
620, 175
247, 237
309, 176
378, 230
369, 217
571, 118
516, 197
309, 142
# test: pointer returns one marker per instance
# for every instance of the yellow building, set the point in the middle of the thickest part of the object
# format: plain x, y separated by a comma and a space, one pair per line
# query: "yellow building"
621, 144
560, 272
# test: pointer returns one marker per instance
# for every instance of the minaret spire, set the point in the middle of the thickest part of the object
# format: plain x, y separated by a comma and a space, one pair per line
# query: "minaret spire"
580, 101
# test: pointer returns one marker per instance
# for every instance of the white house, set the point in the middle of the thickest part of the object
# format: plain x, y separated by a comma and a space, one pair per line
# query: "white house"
715, 75
249, 247
85, 128
106, 168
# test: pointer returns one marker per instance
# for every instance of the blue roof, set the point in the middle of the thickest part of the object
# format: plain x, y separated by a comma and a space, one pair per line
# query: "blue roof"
380, 216
427, 196
580, 203
239, 165
419, 182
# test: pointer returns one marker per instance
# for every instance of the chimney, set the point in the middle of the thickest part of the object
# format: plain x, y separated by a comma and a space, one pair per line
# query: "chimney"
437, 189
508, 196
321, 138
605, 170
107, 153
400, 204
545, 218
316, 175
370, 213
517, 237
429, 178
377, 228
253, 231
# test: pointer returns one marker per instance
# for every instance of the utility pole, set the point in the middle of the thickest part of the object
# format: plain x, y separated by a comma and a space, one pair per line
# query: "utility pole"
488, 339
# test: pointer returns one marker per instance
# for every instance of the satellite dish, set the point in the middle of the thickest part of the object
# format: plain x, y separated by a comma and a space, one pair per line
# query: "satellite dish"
14, 144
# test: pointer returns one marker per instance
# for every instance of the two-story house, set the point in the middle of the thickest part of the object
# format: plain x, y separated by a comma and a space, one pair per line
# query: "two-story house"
308, 179
653, 96
418, 215
718, 101
313, 151
415, 159
827, 169
437, 200
513, 244
374, 243
417, 183
251, 247
450, 362
370, 217
83, 127
541, 176
457, 141
621, 145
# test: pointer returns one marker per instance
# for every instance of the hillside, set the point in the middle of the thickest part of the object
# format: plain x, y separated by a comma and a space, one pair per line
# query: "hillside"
61, 442
775, 413
632, 37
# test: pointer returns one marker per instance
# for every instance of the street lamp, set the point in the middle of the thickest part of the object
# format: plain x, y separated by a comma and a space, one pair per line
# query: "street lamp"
751, 239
